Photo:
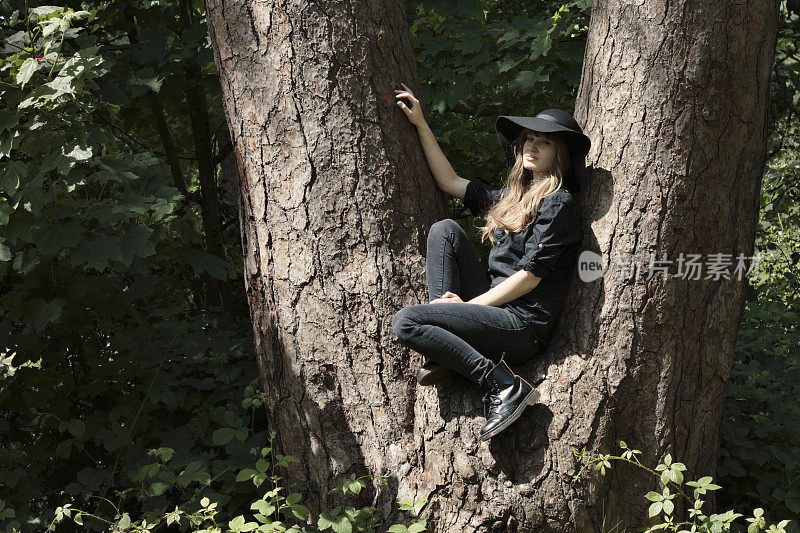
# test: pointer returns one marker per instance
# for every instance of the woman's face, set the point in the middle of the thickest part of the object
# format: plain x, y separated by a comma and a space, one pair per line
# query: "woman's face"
538, 152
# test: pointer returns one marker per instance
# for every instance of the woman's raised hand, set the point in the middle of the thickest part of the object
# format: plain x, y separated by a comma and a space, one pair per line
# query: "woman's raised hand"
415, 113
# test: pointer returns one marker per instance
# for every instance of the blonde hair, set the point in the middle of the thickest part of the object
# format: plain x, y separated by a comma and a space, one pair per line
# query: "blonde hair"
516, 210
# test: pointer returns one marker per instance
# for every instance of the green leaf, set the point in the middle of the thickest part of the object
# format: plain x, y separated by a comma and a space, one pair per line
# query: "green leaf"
192, 467
526, 79
668, 506
653, 496
96, 253
26, 70
222, 436
245, 474
165, 453
143, 80
6, 144
654, 509
300, 511
792, 499
10, 176
77, 154
417, 526
325, 521
342, 525
204, 262
406, 504
398, 528
263, 507
8, 119
238, 524
540, 46
42, 11
159, 488
231, 419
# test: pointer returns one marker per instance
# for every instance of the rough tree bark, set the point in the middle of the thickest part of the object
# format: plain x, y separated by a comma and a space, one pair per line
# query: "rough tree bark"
336, 203
675, 98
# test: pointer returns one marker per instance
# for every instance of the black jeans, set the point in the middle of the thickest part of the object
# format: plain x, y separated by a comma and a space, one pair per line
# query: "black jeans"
466, 338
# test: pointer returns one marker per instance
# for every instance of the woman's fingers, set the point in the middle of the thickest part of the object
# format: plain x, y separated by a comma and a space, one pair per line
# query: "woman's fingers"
409, 104
407, 91
445, 298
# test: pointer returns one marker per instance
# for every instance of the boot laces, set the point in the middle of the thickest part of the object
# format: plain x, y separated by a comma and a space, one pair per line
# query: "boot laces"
490, 400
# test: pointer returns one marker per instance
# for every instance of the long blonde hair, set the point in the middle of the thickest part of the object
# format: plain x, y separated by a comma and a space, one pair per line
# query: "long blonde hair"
516, 210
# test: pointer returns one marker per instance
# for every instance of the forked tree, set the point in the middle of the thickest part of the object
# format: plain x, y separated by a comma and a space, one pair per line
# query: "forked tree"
336, 201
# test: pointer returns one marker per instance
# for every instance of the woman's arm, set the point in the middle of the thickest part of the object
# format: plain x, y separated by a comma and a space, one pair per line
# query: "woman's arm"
511, 288
443, 173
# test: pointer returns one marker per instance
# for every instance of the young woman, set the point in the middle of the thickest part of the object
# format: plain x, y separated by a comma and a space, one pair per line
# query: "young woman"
479, 322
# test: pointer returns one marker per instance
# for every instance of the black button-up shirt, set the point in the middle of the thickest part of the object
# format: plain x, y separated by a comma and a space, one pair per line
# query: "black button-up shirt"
548, 248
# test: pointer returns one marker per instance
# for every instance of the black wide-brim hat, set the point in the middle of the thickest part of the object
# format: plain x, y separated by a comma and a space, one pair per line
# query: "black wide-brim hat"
550, 120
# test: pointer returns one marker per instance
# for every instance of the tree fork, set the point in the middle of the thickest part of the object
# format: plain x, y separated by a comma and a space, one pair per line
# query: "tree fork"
336, 201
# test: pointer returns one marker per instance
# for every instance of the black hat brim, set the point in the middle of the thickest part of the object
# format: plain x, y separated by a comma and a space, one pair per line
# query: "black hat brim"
508, 129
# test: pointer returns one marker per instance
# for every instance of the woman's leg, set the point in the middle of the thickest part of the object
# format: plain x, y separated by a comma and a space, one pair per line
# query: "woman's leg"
451, 263
466, 338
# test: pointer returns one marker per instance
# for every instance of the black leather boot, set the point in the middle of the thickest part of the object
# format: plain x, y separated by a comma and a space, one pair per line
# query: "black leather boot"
506, 399
431, 373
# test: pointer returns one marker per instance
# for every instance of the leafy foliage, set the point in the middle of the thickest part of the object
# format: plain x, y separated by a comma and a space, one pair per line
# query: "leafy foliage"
760, 454
478, 59
115, 371
663, 506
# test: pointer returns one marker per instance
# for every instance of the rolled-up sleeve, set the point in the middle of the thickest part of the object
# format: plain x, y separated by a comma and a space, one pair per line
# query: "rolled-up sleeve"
557, 229
480, 196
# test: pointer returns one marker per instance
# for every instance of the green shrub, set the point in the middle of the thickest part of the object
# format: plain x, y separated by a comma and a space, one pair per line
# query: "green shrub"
671, 478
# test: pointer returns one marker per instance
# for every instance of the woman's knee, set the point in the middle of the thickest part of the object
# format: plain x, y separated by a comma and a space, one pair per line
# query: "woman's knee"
402, 323
442, 229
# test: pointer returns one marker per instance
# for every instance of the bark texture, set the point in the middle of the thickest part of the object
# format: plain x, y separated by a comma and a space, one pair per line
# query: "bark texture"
336, 201
675, 98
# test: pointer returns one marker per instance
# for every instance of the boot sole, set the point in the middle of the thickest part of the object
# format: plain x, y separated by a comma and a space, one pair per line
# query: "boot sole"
530, 399
432, 377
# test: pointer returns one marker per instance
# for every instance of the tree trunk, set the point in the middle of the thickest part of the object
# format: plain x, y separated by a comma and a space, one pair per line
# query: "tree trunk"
229, 176
162, 127
675, 98
336, 202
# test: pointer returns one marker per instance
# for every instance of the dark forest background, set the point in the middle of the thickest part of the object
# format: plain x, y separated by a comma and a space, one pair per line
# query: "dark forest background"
128, 390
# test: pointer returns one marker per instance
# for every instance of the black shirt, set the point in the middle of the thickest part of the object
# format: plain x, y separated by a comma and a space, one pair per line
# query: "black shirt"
548, 248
